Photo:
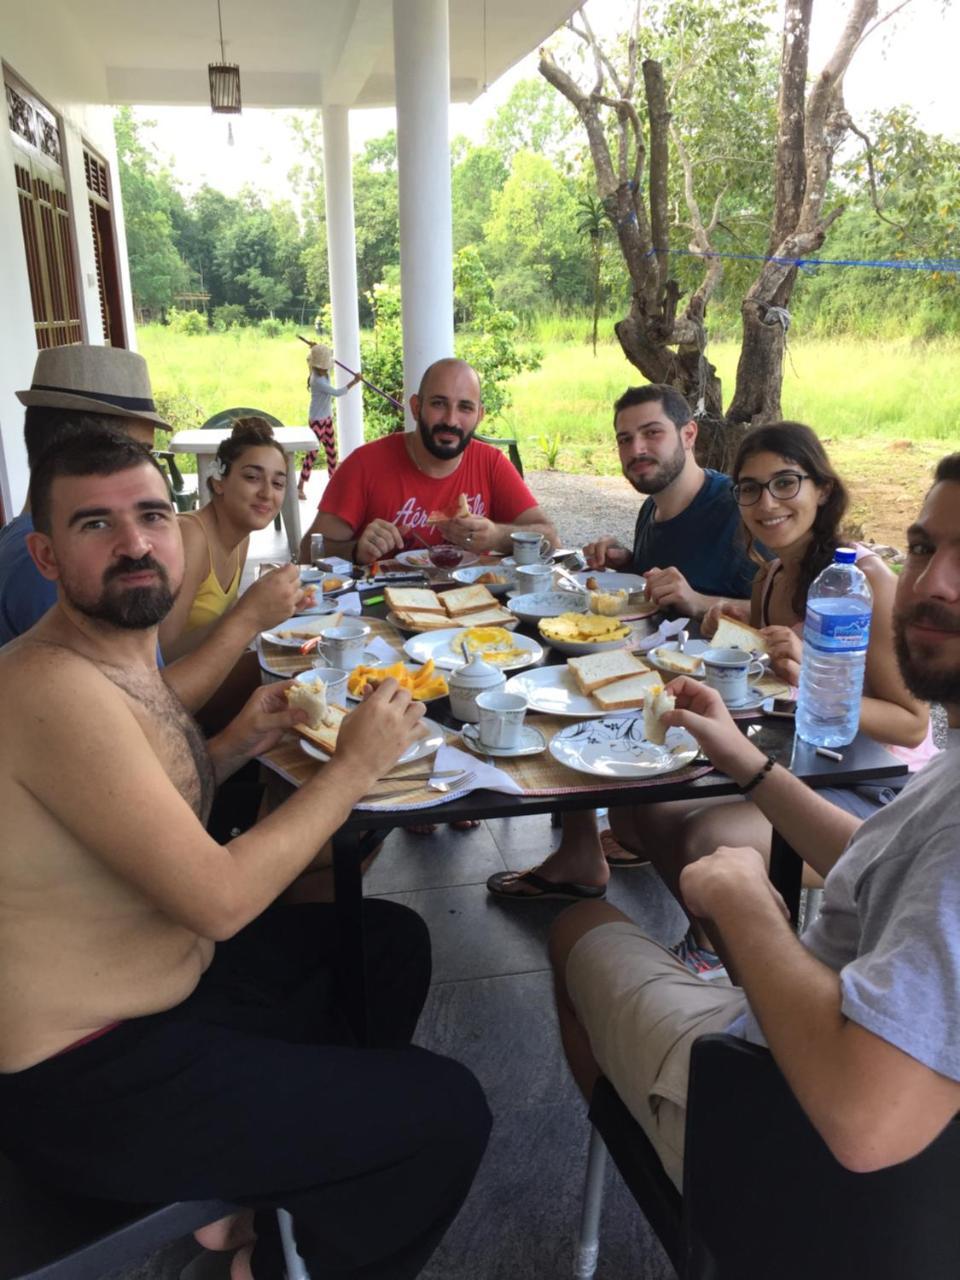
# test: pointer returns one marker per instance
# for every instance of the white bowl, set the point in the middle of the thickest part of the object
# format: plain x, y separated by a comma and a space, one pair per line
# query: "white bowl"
547, 604
467, 577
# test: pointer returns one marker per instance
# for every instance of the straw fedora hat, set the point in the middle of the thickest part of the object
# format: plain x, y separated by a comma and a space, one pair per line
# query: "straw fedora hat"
101, 379
320, 356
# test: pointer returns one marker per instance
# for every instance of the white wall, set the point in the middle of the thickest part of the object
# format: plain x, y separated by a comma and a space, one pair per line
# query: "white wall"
44, 48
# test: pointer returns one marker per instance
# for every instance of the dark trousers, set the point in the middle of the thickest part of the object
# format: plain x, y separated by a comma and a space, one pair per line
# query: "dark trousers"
252, 1091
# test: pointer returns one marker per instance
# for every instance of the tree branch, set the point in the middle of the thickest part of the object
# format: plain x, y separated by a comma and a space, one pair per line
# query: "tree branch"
659, 118
871, 174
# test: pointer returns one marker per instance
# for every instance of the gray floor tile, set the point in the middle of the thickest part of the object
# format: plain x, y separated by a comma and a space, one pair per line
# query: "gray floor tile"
642, 895
475, 936
521, 1217
429, 862
525, 842
505, 1031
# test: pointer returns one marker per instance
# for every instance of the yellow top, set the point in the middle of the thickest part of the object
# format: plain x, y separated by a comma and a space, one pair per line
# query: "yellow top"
211, 601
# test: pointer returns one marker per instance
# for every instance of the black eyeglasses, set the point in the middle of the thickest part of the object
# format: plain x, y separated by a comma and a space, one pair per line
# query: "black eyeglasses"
785, 485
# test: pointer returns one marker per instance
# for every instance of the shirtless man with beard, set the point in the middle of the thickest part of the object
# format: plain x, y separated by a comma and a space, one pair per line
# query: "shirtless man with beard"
166, 1032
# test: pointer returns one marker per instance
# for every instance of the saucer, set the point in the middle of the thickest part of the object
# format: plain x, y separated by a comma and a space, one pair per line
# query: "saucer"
532, 742
751, 702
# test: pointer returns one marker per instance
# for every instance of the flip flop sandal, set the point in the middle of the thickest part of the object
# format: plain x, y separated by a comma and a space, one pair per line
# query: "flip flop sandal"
616, 855
499, 886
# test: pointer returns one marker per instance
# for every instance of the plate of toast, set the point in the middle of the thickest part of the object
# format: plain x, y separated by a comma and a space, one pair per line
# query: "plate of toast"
418, 609
621, 748
595, 684
497, 579
318, 736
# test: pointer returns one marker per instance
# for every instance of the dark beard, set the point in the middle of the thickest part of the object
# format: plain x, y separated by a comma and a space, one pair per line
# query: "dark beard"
443, 451
665, 475
929, 685
135, 609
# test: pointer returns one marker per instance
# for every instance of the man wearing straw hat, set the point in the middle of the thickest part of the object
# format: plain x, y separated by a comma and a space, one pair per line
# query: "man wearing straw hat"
320, 417
77, 388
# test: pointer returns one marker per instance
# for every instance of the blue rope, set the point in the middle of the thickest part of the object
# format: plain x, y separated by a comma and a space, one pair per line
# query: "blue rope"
894, 264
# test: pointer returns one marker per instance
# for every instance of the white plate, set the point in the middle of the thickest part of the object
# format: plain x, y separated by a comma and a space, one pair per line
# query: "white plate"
437, 645
421, 748
421, 559
534, 605
531, 743
693, 647
322, 605
610, 580
469, 576
413, 668
302, 622
554, 691
616, 748
751, 703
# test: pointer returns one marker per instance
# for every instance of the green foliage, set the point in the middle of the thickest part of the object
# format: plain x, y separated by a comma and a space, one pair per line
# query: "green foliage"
550, 447
190, 323
376, 209
534, 118
272, 327
477, 174
231, 313
382, 354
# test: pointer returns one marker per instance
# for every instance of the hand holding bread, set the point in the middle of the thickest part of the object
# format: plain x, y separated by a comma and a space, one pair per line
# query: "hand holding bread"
272, 598
738, 609
606, 553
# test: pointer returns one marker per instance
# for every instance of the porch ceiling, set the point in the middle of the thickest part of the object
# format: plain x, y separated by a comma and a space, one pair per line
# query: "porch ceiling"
297, 53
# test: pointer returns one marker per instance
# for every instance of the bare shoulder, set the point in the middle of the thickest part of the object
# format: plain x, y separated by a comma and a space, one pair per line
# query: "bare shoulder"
44, 684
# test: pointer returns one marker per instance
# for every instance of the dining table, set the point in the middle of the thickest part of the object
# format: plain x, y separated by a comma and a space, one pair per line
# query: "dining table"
554, 789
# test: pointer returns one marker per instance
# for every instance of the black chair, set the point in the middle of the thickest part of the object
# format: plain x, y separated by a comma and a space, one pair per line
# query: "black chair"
225, 419
764, 1197
47, 1235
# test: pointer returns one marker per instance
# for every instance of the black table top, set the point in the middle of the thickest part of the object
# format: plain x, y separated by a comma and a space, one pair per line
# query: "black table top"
863, 761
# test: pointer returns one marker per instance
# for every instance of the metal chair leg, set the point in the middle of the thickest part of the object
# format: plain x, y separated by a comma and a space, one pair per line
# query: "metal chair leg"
588, 1245
296, 1270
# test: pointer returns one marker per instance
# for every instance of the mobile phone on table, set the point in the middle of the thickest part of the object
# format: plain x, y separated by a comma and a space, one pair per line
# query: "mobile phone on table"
783, 707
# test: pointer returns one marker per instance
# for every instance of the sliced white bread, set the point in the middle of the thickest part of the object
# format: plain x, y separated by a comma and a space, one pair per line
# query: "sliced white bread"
420, 598
656, 705
496, 617
594, 670
623, 694
468, 600
421, 621
684, 664
733, 634
325, 737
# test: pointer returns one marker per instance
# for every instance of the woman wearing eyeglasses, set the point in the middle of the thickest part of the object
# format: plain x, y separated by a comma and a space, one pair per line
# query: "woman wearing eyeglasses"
792, 501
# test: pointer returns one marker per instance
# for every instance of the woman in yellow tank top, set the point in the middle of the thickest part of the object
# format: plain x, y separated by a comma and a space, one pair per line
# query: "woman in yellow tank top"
247, 488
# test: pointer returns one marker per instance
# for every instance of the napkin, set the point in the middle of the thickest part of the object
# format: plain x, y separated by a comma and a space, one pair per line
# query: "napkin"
349, 602
665, 631
485, 775
385, 652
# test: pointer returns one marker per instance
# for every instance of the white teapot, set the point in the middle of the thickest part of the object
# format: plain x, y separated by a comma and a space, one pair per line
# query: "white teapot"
467, 681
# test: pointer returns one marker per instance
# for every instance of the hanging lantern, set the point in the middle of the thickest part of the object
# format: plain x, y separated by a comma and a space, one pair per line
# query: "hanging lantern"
224, 80
225, 88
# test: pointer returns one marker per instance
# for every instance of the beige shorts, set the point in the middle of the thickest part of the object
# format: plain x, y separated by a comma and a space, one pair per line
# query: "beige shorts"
642, 1010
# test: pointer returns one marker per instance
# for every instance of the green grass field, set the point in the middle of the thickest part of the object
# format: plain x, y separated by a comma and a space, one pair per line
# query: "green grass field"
887, 409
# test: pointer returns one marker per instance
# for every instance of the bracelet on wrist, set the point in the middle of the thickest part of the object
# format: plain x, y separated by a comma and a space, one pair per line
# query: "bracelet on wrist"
758, 777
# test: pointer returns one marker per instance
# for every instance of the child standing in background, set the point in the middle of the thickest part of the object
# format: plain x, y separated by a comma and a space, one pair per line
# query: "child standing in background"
320, 417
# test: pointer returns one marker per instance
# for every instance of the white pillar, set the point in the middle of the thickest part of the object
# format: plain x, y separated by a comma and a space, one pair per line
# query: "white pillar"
342, 268
421, 51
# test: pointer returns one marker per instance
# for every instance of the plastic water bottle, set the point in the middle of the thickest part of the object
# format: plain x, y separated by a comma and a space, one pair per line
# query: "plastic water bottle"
835, 636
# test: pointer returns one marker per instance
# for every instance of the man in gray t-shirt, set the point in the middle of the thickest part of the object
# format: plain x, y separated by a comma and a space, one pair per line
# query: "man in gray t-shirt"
863, 1013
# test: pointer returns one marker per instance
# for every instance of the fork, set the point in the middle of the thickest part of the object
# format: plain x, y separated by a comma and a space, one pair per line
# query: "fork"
442, 787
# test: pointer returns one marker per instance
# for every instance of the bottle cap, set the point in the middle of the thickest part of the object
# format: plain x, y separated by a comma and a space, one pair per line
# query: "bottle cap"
844, 555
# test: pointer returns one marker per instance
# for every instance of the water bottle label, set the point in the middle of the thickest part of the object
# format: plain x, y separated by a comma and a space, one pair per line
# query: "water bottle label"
837, 632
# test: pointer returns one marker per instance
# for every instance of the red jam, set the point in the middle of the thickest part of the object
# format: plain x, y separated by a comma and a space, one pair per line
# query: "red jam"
445, 557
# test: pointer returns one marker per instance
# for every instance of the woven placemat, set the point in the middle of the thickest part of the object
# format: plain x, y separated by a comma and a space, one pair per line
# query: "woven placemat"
281, 661
538, 775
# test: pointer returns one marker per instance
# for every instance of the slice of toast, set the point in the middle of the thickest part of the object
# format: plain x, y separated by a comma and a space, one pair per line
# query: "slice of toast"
623, 694
495, 617
419, 598
468, 600
326, 736
421, 621
684, 664
594, 670
733, 634
655, 706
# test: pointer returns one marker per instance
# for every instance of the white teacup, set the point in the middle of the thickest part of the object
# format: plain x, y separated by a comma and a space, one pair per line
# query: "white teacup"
530, 548
343, 646
533, 578
728, 671
335, 681
501, 718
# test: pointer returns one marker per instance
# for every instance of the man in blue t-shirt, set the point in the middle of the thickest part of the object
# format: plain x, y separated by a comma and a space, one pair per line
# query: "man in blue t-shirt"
687, 542
688, 547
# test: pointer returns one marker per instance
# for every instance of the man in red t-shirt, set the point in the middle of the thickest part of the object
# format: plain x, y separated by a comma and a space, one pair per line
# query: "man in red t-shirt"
395, 484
